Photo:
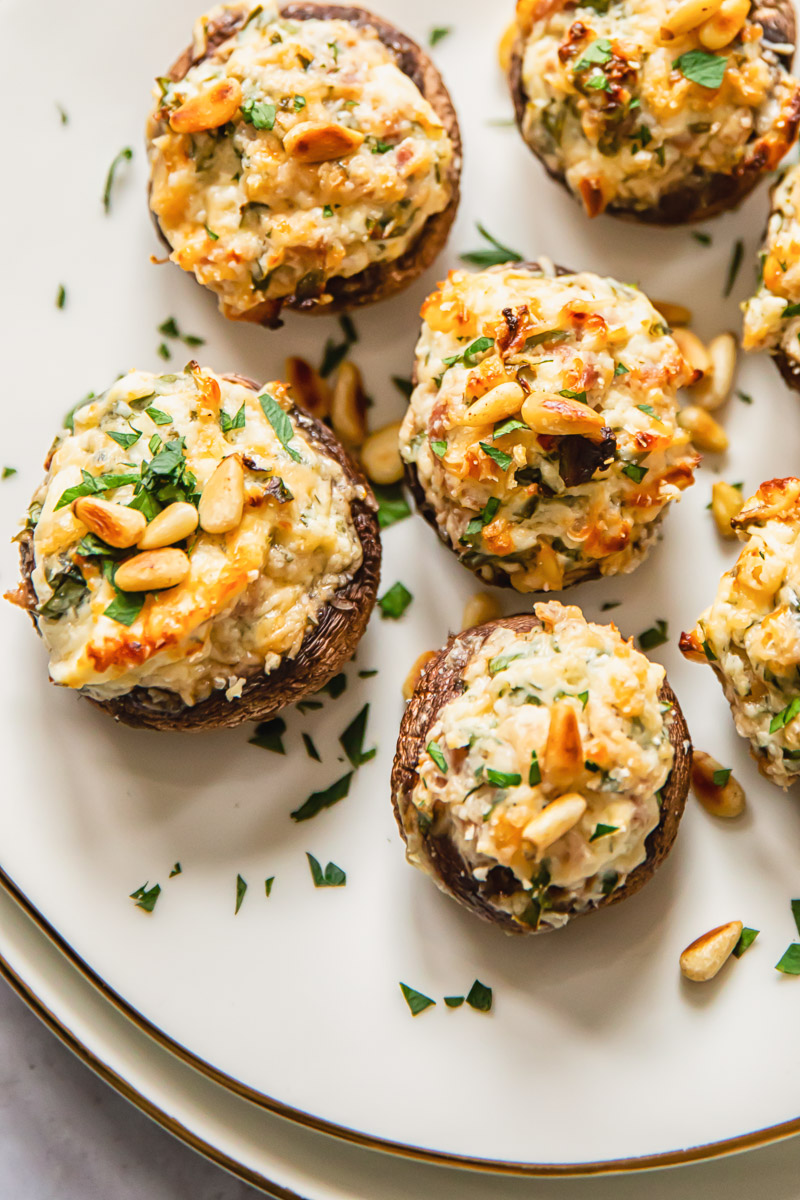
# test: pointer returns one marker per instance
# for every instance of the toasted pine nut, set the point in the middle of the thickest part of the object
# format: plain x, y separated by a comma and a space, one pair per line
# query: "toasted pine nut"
725, 798
715, 387
726, 502
116, 524
413, 676
349, 406
673, 314
548, 413
172, 524
154, 569
222, 499
380, 455
309, 389
686, 16
707, 954
321, 141
707, 434
502, 401
504, 47
480, 607
208, 109
693, 351
562, 761
725, 25
555, 819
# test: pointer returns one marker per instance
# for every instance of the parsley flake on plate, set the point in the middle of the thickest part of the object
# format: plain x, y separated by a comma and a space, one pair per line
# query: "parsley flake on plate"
269, 735
332, 876
746, 939
416, 1001
145, 898
352, 740
703, 68
492, 255
241, 888
125, 155
657, 635
479, 996
395, 601
318, 801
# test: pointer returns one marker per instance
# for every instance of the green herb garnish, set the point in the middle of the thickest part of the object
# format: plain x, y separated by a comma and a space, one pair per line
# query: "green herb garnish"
415, 1000
789, 963
502, 779
602, 831
268, 885
438, 33
735, 263
392, 504
125, 607
281, 423
479, 996
502, 459
8, 472
721, 776
746, 939
335, 686
700, 67
61, 296
703, 238
146, 897
352, 740
535, 771
258, 113
176, 870
126, 154
454, 1001
395, 602
655, 636
332, 876
318, 801
439, 448
158, 416
634, 471
435, 751
311, 749
785, 715
241, 888
227, 423
487, 515
269, 735
404, 386
490, 257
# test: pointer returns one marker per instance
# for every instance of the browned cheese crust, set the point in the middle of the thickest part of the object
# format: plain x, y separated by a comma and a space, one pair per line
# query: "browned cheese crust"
381, 280
324, 650
720, 192
440, 682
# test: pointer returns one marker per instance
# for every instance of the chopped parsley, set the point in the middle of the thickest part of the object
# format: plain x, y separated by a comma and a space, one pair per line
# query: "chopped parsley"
703, 238
125, 155
299, 102
61, 296
163, 351
479, 996
438, 33
744, 397
258, 113
269, 735
352, 740
268, 885
634, 471
789, 962
492, 255
507, 426
601, 830
502, 779
380, 147
403, 385
454, 1001
439, 448
597, 53
469, 356
125, 607
145, 897
535, 771
327, 211
721, 776
395, 602
241, 888
435, 751
227, 423
392, 504
657, 635
746, 939
157, 416
700, 67
621, 369
785, 715
791, 310
335, 352
607, 605
796, 913
281, 423
311, 749
214, 236
332, 876
502, 459
416, 1001
335, 686
501, 661
318, 801
176, 870
737, 255
488, 514
63, 114
126, 440
650, 411
8, 472
169, 328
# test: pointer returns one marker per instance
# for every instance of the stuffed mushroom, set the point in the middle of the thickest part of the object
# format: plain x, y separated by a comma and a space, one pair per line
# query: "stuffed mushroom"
541, 439
302, 154
664, 113
772, 315
200, 552
542, 769
750, 635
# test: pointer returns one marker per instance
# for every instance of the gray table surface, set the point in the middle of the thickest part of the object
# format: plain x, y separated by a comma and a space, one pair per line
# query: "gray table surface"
66, 1135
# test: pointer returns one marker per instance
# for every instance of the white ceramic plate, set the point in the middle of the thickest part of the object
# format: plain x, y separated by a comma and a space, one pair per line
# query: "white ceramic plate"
282, 1158
595, 1051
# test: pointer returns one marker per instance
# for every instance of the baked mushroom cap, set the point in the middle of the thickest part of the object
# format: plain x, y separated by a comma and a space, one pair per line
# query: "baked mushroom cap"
750, 635
330, 179
541, 439
772, 314
480, 860
645, 125
267, 608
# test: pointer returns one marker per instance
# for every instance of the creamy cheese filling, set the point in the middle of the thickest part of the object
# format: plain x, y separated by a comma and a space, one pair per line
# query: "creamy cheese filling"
751, 632
486, 772
614, 107
770, 319
251, 594
543, 508
260, 207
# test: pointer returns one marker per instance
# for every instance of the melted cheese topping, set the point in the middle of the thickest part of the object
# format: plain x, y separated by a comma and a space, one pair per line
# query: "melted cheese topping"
751, 633
251, 595
549, 510
608, 109
255, 221
767, 325
500, 724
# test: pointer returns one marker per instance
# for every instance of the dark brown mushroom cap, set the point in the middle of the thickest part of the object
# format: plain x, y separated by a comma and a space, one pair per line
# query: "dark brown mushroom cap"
487, 571
379, 281
442, 681
324, 651
714, 193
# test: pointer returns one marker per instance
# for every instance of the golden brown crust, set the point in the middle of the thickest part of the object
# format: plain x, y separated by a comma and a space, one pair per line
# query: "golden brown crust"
440, 682
380, 280
718, 193
324, 650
